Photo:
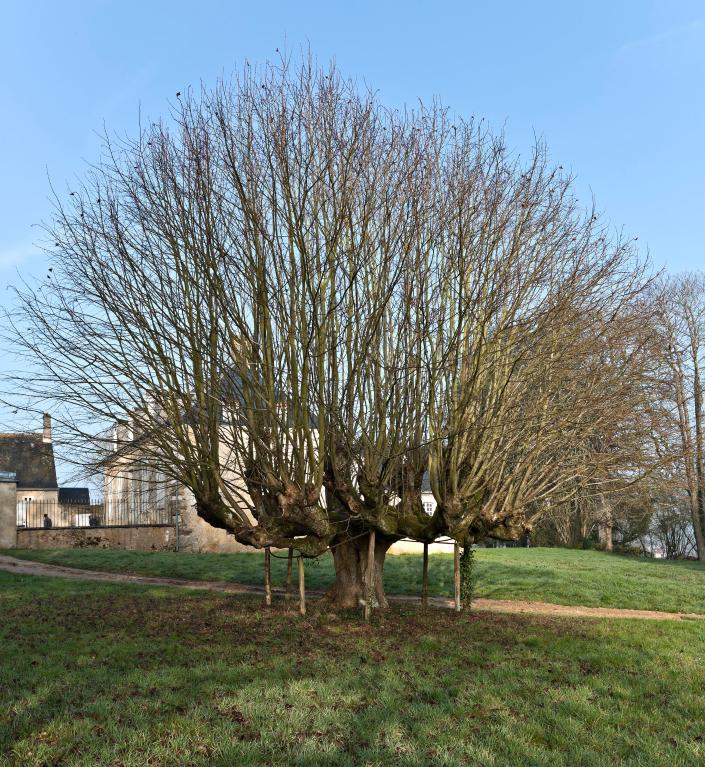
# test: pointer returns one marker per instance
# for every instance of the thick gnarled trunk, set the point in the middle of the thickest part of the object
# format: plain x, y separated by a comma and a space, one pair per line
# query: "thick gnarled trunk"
350, 559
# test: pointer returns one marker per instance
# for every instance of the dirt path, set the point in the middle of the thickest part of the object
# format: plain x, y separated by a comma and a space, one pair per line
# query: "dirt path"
28, 567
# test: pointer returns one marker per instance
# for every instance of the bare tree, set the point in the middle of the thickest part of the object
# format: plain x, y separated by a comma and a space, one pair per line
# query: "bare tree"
303, 302
680, 323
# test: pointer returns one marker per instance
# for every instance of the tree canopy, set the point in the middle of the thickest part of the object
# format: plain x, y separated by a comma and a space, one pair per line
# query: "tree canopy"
306, 303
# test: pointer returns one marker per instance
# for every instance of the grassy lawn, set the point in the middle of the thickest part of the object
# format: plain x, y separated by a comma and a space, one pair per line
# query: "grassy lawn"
563, 576
97, 674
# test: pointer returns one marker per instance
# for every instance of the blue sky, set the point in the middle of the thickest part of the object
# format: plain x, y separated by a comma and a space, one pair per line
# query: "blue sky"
615, 88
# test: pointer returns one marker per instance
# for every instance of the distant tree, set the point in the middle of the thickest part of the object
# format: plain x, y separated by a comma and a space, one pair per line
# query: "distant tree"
304, 301
672, 529
615, 504
680, 351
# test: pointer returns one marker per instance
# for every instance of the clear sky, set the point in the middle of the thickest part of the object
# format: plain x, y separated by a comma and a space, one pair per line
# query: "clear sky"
615, 87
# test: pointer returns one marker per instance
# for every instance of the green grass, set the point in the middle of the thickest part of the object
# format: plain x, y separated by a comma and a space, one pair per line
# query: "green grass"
127, 676
561, 576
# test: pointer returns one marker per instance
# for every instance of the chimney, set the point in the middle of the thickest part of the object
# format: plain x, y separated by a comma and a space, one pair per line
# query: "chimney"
46, 437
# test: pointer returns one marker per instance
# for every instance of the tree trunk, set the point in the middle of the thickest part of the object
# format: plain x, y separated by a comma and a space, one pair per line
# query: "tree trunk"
605, 535
289, 563
350, 559
302, 586
370, 575
605, 525
267, 577
699, 520
424, 577
456, 576
688, 454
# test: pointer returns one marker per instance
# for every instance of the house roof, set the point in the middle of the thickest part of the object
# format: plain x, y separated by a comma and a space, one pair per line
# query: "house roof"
426, 483
232, 391
30, 458
74, 495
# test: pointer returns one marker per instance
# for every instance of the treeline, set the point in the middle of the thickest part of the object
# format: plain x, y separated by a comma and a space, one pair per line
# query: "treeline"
663, 512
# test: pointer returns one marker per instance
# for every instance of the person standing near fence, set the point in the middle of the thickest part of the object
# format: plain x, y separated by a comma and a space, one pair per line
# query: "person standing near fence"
47, 520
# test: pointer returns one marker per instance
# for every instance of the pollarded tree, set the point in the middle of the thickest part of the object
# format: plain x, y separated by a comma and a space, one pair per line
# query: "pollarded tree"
304, 302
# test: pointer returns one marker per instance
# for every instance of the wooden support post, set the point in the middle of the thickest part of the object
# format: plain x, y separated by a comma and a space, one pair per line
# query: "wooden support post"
424, 577
289, 563
267, 576
369, 575
456, 575
302, 587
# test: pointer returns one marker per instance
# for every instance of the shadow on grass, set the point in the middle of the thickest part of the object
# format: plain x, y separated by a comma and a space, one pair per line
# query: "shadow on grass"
127, 676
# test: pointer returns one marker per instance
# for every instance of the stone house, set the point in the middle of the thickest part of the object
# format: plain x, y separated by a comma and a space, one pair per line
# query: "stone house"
30, 457
151, 497
127, 482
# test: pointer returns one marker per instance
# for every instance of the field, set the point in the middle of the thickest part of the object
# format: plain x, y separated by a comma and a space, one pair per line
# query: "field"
95, 674
128, 676
562, 576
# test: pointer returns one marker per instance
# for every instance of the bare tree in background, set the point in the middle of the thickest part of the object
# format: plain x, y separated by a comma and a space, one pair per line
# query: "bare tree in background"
680, 305
303, 302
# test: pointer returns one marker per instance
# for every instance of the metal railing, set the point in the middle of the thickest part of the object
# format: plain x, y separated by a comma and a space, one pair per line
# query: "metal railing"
42, 514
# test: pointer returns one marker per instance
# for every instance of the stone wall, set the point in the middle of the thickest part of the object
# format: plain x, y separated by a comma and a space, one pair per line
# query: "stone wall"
8, 514
195, 535
145, 538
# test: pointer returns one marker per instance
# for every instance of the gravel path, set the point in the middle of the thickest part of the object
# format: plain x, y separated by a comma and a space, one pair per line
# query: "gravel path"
28, 567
